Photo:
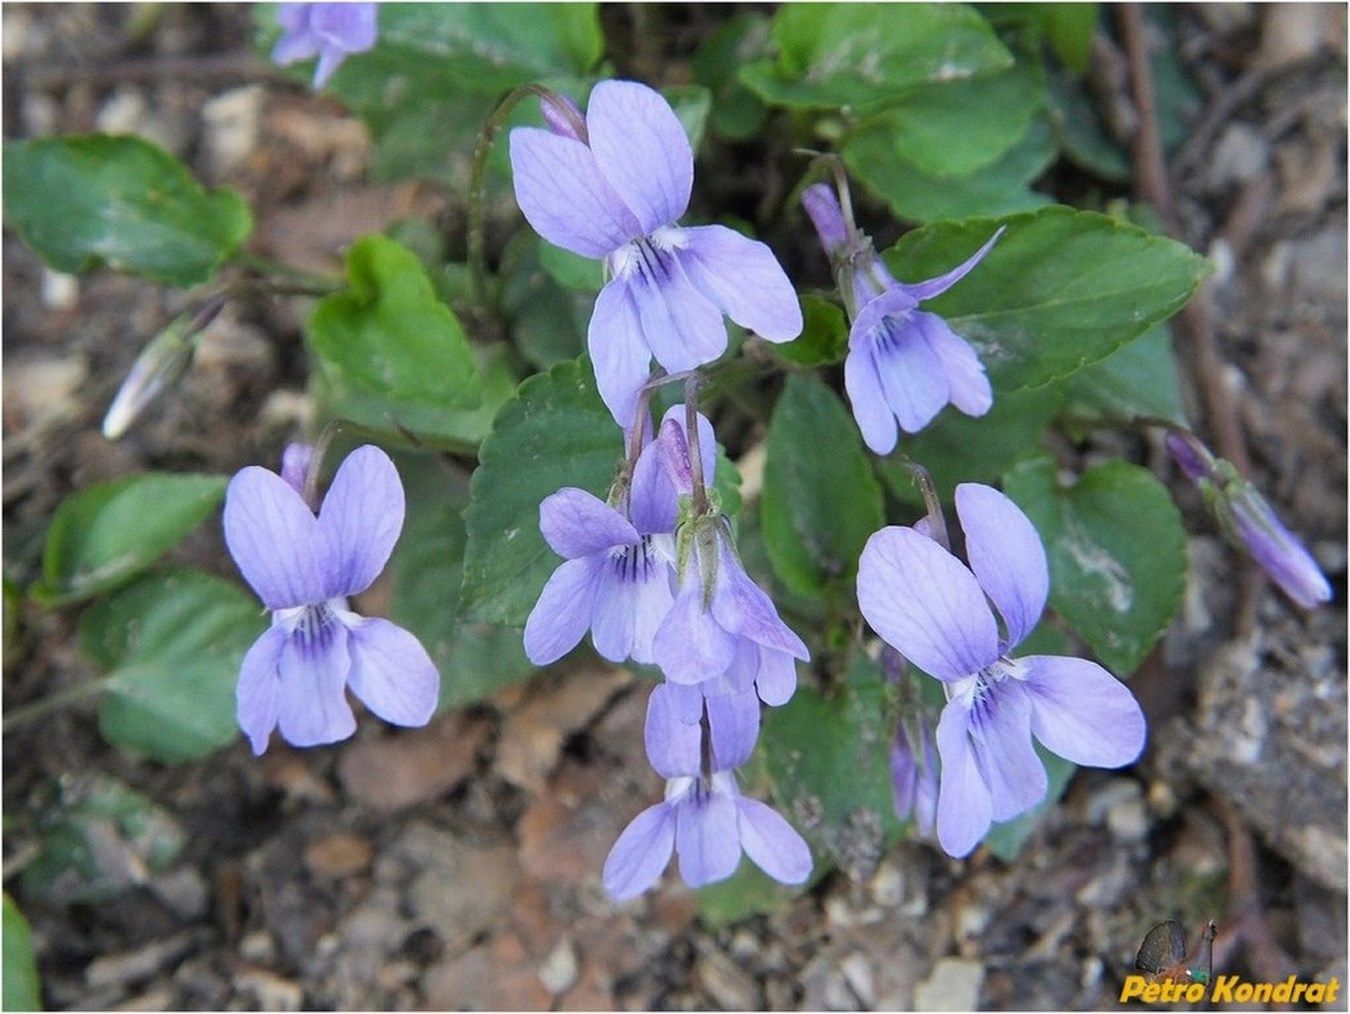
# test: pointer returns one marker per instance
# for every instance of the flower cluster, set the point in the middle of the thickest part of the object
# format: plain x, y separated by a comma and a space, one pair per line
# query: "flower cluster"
935, 611
304, 567
904, 364
1250, 522
656, 581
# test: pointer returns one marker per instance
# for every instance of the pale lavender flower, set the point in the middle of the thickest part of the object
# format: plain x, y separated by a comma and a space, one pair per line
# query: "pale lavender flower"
617, 581
331, 31
616, 195
304, 567
703, 819
932, 609
914, 776
722, 629
904, 364
1249, 521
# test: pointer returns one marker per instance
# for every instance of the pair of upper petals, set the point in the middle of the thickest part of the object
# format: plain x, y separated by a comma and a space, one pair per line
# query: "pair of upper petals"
933, 610
291, 557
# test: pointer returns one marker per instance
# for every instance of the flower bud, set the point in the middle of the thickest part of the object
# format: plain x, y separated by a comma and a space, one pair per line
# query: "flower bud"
563, 116
161, 363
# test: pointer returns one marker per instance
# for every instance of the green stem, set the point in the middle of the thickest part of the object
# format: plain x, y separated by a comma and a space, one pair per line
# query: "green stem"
266, 266
25, 713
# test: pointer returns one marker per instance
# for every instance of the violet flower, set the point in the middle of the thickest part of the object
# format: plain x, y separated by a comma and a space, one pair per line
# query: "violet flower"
304, 567
914, 776
616, 194
903, 364
932, 609
703, 819
722, 629
329, 31
1250, 522
617, 579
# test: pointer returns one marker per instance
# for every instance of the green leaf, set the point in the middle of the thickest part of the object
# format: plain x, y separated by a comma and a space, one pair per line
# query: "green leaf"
824, 337
570, 270
817, 509
959, 448
1061, 289
747, 892
827, 758
692, 104
108, 532
22, 987
391, 338
957, 127
556, 432
1138, 379
475, 659
999, 188
1117, 554
1081, 135
84, 201
737, 113
548, 310
1066, 27
852, 54
98, 838
1007, 839
171, 645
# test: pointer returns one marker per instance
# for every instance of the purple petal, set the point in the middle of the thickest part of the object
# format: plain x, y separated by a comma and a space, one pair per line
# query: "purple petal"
652, 599
293, 17
734, 722
681, 327
635, 862
776, 680
970, 390
312, 704
329, 60
870, 409
259, 687
893, 301
707, 839
690, 645
1191, 455
744, 279
392, 673
562, 115
641, 150
576, 523
618, 351
652, 498
274, 539
674, 747
615, 617
964, 808
1006, 554
564, 610
295, 463
743, 608
772, 843
936, 286
686, 701
294, 46
1000, 728
707, 439
666, 469
911, 374
926, 604
564, 197
1083, 713
904, 774
345, 26
1277, 550
827, 216
360, 520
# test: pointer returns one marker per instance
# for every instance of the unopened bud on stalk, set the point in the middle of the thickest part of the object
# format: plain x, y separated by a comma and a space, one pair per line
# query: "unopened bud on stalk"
160, 364
1250, 522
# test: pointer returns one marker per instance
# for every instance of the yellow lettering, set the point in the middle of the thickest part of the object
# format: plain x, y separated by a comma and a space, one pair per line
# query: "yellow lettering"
1243, 992
1331, 988
1297, 994
1263, 991
1316, 992
1153, 992
1284, 991
1223, 989
1195, 992
1132, 987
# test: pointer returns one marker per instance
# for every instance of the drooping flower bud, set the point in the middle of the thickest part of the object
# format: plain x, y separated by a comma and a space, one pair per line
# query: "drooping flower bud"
295, 464
1250, 522
563, 116
161, 363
